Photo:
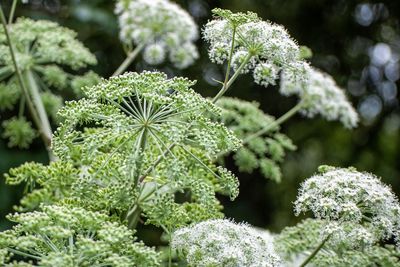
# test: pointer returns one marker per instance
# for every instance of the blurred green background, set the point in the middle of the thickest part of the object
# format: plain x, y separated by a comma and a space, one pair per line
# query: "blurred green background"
357, 42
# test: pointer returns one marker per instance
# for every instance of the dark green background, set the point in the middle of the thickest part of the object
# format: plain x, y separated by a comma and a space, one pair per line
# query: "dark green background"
341, 46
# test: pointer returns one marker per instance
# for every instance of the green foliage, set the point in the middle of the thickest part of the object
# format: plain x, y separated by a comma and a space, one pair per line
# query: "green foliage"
9, 95
71, 236
109, 143
19, 132
264, 151
44, 184
89, 79
47, 42
52, 103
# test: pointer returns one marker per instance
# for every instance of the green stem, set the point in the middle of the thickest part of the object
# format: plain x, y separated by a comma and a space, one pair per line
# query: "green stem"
276, 123
12, 11
23, 254
227, 85
37, 101
316, 250
228, 67
31, 105
128, 60
157, 161
133, 216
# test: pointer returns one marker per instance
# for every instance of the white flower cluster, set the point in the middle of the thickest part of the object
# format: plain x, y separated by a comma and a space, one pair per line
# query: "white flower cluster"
268, 46
164, 28
267, 50
347, 196
319, 93
224, 243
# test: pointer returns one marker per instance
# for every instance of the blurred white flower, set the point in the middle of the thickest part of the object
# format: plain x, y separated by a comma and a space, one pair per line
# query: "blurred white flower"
154, 54
159, 22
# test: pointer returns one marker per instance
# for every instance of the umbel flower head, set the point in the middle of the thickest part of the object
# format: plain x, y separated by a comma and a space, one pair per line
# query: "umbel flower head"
39, 44
140, 132
320, 94
224, 243
263, 47
344, 196
164, 28
72, 236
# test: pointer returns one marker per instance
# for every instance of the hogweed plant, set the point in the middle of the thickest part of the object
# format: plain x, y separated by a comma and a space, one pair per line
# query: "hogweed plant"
144, 148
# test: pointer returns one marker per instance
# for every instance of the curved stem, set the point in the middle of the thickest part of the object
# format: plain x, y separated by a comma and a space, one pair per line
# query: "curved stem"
128, 60
316, 250
276, 123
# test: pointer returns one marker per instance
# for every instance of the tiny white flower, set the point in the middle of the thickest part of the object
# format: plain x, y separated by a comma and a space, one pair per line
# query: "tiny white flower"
265, 74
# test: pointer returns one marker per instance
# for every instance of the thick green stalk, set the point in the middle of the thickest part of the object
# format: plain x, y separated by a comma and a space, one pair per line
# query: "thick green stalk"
316, 250
133, 216
37, 101
128, 60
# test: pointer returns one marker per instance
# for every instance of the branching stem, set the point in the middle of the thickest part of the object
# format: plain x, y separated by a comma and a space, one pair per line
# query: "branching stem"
227, 85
